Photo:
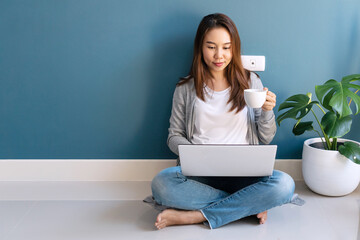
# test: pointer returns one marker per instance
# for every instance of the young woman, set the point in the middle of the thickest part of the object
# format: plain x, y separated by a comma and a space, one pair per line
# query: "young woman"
209, 108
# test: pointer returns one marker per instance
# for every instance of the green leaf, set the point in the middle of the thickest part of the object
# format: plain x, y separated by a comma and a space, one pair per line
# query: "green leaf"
321, 90
298, 106
334, 126
351, 150
351, 77
356, 100
327, 99
301, 127
337, 94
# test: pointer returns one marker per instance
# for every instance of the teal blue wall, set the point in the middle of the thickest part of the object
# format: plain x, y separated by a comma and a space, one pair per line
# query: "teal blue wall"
95, 78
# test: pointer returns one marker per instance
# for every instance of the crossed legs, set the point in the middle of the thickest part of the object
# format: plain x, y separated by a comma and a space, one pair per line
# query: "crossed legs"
196, 202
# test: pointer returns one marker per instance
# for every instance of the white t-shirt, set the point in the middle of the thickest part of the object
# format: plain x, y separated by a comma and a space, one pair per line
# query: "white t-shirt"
214, 124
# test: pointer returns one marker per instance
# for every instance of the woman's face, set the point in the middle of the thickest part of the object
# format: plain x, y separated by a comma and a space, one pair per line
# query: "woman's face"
217, 50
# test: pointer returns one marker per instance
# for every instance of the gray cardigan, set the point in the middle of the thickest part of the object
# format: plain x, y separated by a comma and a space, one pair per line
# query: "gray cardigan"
262, 127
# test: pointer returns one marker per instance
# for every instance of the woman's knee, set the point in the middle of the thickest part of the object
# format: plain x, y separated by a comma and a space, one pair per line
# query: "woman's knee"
161, 183
166, 174
285, 185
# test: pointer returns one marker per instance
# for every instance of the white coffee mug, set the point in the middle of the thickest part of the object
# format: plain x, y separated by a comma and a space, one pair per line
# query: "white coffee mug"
255, 98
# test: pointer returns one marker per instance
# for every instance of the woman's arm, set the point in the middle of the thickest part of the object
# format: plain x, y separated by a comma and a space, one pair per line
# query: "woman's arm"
265, 117
265, 123
177, 130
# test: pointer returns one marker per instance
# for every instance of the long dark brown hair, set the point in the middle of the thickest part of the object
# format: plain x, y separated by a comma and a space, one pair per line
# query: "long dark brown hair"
236, 75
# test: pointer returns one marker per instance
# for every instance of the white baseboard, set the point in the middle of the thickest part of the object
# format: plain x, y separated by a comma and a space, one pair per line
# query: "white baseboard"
103, 169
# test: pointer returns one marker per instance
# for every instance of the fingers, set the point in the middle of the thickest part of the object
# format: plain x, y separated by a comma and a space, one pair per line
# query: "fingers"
270, 101
268, 106
270, 94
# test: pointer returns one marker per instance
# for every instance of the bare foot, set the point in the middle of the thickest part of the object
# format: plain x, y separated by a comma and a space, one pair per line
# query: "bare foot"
176, 217
262, 217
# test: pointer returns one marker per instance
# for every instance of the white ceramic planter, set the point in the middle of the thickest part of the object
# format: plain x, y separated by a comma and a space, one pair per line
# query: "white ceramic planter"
328, 172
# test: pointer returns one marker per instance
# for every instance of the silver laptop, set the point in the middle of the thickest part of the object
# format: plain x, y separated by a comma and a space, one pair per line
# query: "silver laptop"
227, 160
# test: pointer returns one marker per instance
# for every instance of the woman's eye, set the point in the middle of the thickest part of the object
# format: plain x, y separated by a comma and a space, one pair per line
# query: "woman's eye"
211, 47
226, 48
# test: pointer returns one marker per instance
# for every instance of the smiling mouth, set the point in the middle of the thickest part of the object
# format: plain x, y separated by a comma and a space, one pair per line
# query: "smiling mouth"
219, 64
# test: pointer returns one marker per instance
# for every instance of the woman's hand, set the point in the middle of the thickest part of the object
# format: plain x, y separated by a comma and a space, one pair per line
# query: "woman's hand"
270, 101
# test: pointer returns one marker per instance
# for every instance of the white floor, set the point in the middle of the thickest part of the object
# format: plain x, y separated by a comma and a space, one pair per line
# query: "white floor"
114, 210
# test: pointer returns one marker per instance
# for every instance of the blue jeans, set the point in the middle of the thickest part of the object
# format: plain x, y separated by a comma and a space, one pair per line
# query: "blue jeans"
222, 200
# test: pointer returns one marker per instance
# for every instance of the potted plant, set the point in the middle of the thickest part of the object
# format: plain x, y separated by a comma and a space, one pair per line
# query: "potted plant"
330, 164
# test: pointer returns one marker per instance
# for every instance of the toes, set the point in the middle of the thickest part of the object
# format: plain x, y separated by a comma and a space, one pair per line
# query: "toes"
262, 217
161, 225
259, 215
158, 218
